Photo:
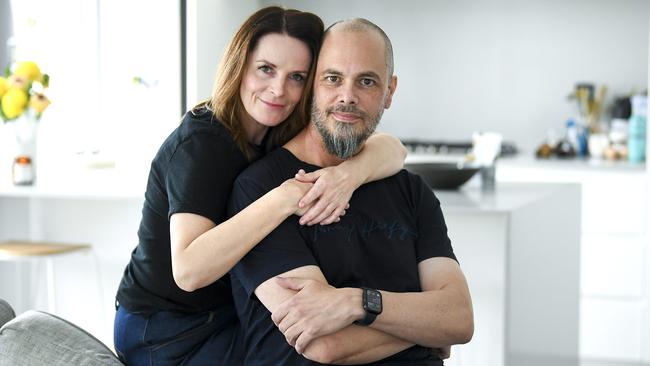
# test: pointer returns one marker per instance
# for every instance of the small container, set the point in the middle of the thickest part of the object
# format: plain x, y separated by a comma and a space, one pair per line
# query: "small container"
23, 171
636, 143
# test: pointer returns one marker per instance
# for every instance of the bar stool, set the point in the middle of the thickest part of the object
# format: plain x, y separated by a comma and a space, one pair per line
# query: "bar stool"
15, 250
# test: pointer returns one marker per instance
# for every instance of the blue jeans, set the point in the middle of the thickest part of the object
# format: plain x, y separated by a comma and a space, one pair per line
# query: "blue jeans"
171, 338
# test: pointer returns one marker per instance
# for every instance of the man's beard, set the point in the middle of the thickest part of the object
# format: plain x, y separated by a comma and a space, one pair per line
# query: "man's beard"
345, 141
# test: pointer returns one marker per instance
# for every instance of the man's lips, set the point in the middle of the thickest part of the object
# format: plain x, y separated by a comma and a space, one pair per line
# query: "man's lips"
345, 117
273, 105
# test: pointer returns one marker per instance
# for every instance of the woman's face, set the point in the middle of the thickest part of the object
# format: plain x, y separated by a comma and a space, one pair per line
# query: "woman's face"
274, 79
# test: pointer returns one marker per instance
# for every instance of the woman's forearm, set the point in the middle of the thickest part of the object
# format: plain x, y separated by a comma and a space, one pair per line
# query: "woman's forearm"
382, 156
214, 253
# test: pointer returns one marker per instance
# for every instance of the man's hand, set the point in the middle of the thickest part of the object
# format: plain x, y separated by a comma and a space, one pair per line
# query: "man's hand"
444, 352
316, 310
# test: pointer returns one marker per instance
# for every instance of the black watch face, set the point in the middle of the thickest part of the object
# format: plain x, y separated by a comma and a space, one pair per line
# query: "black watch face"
373, 301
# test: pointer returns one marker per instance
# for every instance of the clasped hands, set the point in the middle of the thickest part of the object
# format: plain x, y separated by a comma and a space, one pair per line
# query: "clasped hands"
328, 194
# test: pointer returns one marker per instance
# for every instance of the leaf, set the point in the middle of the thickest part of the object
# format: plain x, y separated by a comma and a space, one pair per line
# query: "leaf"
46, 80
7, 71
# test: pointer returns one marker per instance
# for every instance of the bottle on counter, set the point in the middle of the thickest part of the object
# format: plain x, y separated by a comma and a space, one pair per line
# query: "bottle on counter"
22, 171
636, 143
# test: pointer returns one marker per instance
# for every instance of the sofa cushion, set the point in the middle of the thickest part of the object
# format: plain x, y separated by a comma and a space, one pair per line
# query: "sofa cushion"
6, 312
36, 338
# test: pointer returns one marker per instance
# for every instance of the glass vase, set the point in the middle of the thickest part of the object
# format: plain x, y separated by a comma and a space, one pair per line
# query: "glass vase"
25, 131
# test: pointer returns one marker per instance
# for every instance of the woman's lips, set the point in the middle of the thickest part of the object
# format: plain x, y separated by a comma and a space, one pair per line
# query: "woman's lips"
272, 105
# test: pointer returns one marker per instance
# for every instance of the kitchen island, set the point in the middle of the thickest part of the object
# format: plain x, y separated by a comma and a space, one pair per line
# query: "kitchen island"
614, 251
518, 247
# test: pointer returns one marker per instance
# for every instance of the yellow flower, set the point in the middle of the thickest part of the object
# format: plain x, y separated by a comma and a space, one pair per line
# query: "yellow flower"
39, 102
29, 70
3, 86
18, 82
14, 102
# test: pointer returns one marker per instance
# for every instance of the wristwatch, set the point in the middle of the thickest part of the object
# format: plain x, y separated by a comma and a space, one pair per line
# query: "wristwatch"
371, 301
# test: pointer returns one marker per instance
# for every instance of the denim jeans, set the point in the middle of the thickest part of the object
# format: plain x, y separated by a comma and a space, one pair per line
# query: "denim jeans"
172, 338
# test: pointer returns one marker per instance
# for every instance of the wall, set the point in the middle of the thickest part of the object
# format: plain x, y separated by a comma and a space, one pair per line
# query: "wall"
501, 65
5, 31
210, 25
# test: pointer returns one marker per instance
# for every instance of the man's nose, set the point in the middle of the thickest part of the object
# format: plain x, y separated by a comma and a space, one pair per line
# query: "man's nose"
347, 94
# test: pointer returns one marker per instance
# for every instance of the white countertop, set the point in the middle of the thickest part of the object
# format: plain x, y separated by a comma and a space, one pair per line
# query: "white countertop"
506, 197
120, 184
529, 160
78, 183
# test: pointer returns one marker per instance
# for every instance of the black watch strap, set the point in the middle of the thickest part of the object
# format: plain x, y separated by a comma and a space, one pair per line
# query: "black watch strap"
372, 304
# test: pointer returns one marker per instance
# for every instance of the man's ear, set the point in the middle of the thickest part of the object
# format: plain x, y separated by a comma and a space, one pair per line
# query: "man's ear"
391, 90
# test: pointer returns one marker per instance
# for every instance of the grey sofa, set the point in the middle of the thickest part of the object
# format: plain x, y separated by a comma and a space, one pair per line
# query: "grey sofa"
36, 338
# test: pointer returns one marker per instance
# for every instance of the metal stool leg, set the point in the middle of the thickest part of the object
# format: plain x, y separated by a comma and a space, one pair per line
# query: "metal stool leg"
51, 294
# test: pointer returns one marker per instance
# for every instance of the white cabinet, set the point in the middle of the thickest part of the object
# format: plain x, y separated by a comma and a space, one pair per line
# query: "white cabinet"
615, 252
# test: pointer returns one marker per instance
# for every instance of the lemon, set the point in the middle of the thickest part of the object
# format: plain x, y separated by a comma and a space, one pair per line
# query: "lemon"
39, 102
3, 86
14, 102
29, 70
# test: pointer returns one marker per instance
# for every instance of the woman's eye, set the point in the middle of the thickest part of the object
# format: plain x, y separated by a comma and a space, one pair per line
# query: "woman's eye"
367, 82
297, 77
265, 69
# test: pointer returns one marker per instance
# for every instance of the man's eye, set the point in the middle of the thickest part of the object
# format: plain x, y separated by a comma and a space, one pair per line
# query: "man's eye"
297, 77
367, 82
332, 78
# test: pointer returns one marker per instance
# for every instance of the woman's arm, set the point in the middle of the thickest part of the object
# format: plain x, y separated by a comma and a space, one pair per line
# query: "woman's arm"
381, 156
203, 252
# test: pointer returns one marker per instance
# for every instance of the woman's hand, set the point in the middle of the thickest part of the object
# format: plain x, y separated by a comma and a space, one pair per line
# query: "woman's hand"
295, 190
329, 196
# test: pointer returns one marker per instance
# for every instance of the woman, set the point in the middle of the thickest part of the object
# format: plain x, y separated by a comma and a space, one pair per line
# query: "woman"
174, 301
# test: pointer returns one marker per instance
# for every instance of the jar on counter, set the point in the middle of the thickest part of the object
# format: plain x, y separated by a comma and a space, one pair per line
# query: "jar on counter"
637, 129
22, 171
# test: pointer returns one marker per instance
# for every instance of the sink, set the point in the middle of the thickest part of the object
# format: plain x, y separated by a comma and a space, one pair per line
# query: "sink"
441, 174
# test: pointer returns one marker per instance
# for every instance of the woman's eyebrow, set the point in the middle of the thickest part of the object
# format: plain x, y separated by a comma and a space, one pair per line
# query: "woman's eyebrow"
266, 62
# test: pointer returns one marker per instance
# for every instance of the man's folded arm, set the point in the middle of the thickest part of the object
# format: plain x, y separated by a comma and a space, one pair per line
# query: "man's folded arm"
350, 345
439, 316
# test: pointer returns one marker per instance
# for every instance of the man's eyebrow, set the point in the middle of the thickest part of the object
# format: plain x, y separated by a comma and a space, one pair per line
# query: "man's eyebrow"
331, 72
370, 74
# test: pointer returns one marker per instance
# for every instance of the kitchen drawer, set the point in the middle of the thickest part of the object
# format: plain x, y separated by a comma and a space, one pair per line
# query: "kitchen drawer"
611, 329
645, 336
614, 204
613, 266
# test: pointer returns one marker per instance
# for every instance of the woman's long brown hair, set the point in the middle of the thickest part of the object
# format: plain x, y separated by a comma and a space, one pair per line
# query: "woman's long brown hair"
225, 101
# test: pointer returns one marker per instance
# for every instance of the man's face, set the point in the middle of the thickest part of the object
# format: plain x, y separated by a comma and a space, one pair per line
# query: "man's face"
351, 90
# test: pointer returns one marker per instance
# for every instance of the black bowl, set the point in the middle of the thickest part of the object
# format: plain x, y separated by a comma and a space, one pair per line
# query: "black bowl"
439, 175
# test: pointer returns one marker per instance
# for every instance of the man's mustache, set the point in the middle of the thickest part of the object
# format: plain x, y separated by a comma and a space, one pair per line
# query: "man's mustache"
346, 109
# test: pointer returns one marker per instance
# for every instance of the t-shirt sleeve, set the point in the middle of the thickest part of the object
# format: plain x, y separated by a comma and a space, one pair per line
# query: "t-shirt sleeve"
282, 250
433, 240
200, 175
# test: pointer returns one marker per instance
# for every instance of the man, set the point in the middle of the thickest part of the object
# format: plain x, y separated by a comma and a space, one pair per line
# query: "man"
380, 285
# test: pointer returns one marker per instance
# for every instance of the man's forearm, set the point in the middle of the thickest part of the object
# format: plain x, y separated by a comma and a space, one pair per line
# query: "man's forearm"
436, 318
354, 345
382, 156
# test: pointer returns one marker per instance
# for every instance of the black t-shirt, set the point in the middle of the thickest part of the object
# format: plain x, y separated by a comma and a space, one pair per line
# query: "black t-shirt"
192, 172
391, 226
